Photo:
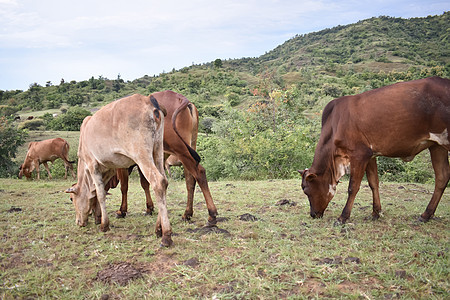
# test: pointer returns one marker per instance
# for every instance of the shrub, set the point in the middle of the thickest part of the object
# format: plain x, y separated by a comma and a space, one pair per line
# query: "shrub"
10, 139
70, 121
34, 124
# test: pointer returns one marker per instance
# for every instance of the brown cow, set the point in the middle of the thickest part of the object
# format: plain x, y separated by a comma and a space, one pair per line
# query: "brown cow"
123, 133
121, 177
399, 120
172, 160
177, 134
43, 152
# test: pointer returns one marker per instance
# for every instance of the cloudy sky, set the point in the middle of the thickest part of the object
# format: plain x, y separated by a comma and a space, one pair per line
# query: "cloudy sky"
47, 40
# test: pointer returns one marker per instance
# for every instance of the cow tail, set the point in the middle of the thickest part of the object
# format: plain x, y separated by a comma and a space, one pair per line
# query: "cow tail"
66, 154
183, 105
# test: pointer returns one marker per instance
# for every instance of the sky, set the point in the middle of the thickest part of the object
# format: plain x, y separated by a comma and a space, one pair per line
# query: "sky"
50, 40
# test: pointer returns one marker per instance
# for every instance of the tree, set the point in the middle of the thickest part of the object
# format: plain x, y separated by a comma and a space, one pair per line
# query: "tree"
75, 99
35, 98
218, 63
10, 139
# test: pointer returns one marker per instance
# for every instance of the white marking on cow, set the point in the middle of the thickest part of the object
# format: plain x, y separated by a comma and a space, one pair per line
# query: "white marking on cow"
332, 190
440, 138
342, 169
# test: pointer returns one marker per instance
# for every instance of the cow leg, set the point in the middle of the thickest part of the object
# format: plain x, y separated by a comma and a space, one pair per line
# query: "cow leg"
190, 186
47, 168
148, 198
66, 168
159, 185
372, 178
71, 168
199, 174
439, 159
154, 174
122, 174
357, 168
101, 198
97, 213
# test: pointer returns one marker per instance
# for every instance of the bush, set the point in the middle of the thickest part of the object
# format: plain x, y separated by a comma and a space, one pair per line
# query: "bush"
70, 121
6, 110
10, 139
34, 124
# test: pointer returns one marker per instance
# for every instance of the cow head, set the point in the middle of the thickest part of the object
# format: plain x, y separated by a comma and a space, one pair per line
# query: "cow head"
82, 202
319, 190
26, 169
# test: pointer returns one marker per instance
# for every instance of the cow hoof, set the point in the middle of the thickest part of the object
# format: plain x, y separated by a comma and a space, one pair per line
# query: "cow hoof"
166, 241
104, 228
211, 222
149, 212
186, 217
421, 219
120, 215
339, 222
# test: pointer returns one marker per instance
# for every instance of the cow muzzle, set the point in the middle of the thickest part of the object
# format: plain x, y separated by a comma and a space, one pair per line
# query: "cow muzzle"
80, 221
315, 214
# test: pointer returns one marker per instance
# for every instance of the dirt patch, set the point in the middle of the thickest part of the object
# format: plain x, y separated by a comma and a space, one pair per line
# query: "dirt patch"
209, 229
163, 263
247, 217
121, 273
284, 202
338, 260
192, 262
14, 209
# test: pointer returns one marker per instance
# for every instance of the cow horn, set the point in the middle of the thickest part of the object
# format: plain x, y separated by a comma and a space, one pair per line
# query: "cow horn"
71, 190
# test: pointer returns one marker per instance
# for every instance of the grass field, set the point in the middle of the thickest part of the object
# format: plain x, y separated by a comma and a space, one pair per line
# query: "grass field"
265, 247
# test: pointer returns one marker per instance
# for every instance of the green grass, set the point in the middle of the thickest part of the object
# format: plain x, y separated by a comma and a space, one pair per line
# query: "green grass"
284, 254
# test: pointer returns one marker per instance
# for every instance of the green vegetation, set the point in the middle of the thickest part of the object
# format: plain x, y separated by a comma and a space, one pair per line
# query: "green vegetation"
10, 140
283, 254
260, 116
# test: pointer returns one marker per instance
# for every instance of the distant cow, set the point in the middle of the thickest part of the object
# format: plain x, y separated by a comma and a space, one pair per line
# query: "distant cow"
123, 133
180, 140
399, 120
43, 152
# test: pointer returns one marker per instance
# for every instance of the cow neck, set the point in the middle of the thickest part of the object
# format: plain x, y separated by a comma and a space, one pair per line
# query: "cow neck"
324, 163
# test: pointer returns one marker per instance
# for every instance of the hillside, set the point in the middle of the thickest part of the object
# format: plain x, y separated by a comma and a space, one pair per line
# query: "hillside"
381, 44
251, 106
376, 44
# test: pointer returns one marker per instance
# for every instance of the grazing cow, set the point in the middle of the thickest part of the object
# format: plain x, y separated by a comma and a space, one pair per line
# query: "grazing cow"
399, 120
43, 152
177, 134
172, 160
123, 133
121, 177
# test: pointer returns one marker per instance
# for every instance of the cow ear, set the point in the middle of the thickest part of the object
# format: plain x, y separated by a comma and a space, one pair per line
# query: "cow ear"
156, 115
73, 189
163, 109
301, 171
310, 177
